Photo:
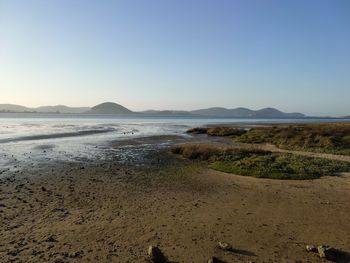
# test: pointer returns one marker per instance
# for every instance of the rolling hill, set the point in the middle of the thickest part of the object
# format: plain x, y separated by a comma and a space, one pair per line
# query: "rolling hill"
43, 109
246, 113
109, 108
274, 113
223, 112
112, 108
14, 108
165, 113
62, 109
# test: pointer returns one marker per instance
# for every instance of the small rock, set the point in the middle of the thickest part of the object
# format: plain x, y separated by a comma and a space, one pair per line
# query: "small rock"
214, 260
51, 238
75, 254
35, 252
13, 253
329, 253
156, 255
322, 251
56, 209
225, 246
311, 248
43, 189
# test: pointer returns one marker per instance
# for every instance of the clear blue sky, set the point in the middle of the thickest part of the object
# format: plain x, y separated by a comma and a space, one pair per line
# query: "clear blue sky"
292, 55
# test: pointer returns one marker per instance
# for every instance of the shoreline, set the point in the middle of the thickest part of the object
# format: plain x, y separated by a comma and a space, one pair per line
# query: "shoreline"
111, 209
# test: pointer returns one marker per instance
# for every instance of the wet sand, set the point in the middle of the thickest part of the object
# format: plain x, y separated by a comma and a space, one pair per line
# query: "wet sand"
55, 135
104, 211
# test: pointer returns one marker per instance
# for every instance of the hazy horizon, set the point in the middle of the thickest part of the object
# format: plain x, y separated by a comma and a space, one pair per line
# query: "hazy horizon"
182, 109
290, 55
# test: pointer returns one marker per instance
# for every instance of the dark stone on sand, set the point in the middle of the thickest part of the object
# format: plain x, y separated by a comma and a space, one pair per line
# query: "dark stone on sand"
43, 189
13, 253
77, 254
225, 246
58, 210
51, 238
215, 260
311, 248
330, 253
322, 251
155, 255
35, 252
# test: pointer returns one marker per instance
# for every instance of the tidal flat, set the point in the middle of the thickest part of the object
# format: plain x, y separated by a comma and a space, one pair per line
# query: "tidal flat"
112, 210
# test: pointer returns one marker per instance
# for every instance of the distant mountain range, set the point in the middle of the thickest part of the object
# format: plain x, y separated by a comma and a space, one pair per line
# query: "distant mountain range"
43, 109
246, 113
116, 109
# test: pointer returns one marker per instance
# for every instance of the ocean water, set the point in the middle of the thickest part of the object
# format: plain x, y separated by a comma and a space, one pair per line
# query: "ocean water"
36, 139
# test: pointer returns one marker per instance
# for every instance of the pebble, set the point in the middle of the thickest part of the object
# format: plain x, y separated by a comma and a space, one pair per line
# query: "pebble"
225, 246
311, 248
156, 255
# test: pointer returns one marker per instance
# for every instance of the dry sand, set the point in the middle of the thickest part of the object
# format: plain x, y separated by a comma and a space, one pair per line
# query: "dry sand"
105, 212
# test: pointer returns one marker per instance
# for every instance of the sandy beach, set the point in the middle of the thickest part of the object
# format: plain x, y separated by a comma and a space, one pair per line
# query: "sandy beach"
104, 211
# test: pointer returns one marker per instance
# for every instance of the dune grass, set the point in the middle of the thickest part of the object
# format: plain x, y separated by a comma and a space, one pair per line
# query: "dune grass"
327, 138
261, 164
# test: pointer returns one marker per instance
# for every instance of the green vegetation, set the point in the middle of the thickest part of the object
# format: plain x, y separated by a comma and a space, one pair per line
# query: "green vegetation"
218, 131
196, 151
328, 138
281, 166
262, 164
325, 138
197, 130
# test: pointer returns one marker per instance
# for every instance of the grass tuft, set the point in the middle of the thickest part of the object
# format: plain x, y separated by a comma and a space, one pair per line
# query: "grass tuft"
328, 138
261, 164
218, 131
196, 151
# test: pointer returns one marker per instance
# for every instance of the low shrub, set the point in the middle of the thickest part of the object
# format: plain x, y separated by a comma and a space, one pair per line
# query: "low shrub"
197, 130
225, 131
218, 131
196, 151
262, 164
328, 138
